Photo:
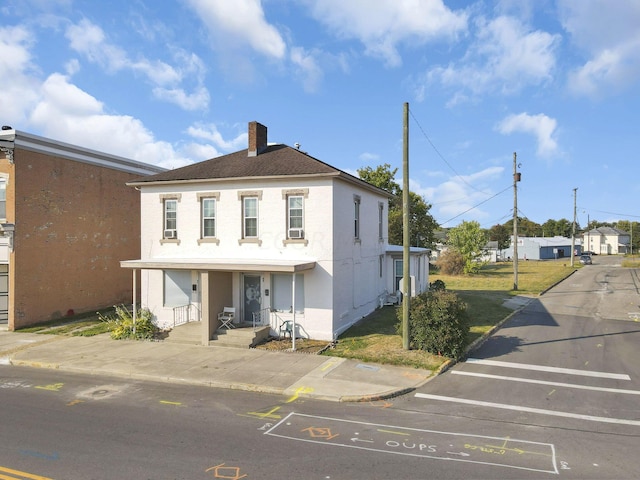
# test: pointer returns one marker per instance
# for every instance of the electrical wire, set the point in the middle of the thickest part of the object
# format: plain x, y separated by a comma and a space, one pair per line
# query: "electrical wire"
442, 157
476, 206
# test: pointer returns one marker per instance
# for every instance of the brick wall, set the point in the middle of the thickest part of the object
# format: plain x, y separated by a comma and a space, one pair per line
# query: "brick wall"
74, 223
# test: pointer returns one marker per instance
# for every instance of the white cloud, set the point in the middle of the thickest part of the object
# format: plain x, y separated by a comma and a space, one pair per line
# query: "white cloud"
369, 157
89, 40
504, 57
307, 68
461, 194
19, 87
608, 32
240, 22
198, 100
384, 27
67, 113
210, 133
540, 125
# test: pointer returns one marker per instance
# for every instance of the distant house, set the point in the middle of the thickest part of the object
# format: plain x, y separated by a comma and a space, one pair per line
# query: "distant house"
607, 241
271, 232
67, 218
542, 248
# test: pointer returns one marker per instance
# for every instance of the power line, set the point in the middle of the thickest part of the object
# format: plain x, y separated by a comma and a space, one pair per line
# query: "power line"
442, 157
613, 213
476, 206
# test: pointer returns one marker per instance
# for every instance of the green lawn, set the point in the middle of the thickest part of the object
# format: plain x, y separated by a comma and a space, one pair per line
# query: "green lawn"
374, 339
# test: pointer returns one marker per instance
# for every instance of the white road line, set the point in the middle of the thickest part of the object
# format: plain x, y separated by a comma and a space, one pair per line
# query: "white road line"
540, 411
543, 382
542, 368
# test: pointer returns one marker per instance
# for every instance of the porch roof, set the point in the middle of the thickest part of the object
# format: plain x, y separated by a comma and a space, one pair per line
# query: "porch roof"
221, 264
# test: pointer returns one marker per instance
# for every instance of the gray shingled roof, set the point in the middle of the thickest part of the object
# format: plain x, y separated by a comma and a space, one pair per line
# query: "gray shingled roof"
606, 231
275, 161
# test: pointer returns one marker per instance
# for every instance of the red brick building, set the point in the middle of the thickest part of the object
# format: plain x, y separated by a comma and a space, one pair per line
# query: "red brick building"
67, 219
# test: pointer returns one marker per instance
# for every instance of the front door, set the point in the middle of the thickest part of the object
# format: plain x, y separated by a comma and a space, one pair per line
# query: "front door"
252, 298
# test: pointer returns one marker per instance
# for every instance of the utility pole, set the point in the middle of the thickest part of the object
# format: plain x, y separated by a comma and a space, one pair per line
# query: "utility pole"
573, 228
406, 280
516, 179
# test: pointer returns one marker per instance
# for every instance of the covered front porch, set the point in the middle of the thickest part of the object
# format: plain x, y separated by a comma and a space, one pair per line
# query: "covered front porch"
182, 291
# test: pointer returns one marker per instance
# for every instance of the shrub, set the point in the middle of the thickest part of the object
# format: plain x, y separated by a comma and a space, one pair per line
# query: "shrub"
121, 324
438, 323
437, 285
451, 262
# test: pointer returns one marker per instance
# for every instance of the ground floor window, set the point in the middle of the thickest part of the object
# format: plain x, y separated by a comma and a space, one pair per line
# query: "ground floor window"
398, 273
281, 295
177, 288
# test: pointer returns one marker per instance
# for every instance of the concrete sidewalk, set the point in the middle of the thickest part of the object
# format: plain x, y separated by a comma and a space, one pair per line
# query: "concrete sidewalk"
288, 373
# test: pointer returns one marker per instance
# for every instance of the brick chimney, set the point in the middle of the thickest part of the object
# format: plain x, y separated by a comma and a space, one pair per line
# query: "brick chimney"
257, 138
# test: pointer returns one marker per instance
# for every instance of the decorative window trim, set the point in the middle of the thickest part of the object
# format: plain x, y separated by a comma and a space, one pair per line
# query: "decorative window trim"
304, 192
201, 195
170, 196
250, 193
291, 241
249, 240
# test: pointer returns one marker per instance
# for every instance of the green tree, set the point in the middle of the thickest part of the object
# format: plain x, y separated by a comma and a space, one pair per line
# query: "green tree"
470, 240
500, 233
421, 224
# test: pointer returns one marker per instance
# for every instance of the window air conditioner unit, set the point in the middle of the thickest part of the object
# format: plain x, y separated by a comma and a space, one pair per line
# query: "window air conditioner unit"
296, 233
170, 234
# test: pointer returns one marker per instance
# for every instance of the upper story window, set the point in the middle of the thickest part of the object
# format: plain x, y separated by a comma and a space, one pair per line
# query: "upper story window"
380, 220
208, 217
170, 216
3, 198
356, 217
295, 203
295, 216
250, 217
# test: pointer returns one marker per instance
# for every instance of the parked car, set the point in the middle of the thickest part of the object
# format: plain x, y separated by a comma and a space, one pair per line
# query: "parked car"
585, 259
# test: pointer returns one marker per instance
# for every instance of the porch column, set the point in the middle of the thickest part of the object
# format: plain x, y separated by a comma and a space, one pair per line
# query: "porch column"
205, 307
293, 308
135, 299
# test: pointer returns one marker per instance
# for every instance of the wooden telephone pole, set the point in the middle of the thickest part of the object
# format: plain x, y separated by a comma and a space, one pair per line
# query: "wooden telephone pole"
406, 280
516, 179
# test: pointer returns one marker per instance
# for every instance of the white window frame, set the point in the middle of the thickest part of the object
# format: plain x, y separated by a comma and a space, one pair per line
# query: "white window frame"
170, 223
380, 220
3, 197
290, 217
245, 217
211, 218
356, 217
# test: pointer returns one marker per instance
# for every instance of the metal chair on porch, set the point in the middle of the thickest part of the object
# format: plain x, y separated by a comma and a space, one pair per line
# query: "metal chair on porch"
226, 317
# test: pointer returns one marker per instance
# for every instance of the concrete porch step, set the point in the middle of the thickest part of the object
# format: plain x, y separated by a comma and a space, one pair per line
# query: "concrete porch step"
241, 336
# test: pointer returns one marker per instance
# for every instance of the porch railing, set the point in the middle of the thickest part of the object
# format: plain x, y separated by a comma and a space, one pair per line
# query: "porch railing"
261, 317
185, 314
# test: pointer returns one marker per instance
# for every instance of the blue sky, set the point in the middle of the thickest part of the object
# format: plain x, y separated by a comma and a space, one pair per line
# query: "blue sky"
171, 82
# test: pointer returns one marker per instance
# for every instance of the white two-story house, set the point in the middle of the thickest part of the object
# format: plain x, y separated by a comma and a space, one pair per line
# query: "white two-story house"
272, 232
